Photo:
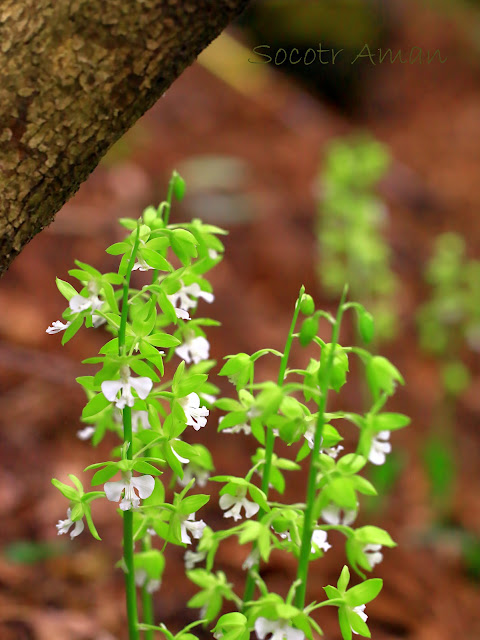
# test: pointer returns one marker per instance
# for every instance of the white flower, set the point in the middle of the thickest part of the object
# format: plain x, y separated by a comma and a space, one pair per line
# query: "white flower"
360, 610
251, 560
380, 447
280, 630
372, 552
193, 557
332, 451
237, 502
213, 254
208, 397
333, 515
57, 326
194, 350
245, 427
86, 433
142, 580
140, 420
143, 484
319, 541
63, 526
309, 436
79, 303
193, 471
182, 303
189, 525
141, 265
110, 388
195, 414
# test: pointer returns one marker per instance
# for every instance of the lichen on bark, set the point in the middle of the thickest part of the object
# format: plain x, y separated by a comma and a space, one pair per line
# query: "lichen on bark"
76, 74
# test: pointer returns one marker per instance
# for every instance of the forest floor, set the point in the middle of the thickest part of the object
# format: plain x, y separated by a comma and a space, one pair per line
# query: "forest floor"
428, 115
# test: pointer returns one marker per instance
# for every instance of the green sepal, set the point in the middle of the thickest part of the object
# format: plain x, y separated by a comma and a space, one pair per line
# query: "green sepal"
94, 406
66, 289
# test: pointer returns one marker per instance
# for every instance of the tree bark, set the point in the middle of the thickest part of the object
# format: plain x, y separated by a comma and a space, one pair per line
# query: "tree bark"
75, 75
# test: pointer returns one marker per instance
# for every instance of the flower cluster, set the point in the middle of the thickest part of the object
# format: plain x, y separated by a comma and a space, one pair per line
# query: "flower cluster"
153, 416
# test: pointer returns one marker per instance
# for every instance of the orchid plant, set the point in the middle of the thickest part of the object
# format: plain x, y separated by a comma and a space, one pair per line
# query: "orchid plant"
131, 398
350, 229
448, 321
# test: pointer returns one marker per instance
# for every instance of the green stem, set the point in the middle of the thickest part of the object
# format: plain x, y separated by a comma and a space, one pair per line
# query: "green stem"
270, 440
168, 201
128, 544
126, 288
305, 548
147, 601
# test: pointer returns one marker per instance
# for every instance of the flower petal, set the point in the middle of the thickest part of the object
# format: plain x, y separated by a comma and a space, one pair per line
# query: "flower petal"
145, 486
182, 314
142, 386
183, 351
263, 627
251, 508
226, 501
79, 303
77, 529
113, 490
86, 433
110, 388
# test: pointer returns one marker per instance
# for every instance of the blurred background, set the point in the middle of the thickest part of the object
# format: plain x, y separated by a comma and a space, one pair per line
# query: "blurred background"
321, 173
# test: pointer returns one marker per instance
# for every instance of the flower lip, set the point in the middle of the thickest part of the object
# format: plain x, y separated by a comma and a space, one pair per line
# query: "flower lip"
380, 448
195, 415
144, 485
279, 630
110, 388
194, 349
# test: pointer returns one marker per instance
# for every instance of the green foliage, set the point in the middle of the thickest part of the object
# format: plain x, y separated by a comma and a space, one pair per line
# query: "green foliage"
350, 231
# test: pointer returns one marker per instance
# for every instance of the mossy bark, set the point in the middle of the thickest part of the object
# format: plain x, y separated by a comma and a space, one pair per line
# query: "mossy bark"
75, 75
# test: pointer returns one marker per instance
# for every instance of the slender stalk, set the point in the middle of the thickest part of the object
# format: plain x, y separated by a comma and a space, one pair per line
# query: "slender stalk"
128, 544
305, 549
166, 215
270, 440
147, 601
168, 201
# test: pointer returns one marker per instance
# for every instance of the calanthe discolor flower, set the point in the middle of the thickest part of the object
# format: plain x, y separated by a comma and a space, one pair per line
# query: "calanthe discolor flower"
182, 301
110, 388
373, 554
236, 502
192, 558
335, 515
195, 414
86, 433
143, 484
237, 428
360, 610
380, 447
79, 303
190, 526
194, 349
142, 580
280, 630
319, 541
63, 526
57, 326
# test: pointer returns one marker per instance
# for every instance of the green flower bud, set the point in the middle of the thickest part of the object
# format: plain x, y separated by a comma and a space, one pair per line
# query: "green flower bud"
307, 305
178, 186
308, 330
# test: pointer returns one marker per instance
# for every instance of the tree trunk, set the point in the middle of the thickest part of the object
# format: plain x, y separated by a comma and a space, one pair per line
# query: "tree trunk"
75, 75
